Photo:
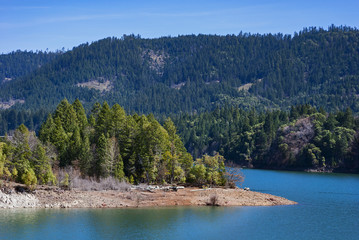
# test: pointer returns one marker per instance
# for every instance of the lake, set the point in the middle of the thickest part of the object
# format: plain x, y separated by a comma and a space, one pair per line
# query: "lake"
328, 209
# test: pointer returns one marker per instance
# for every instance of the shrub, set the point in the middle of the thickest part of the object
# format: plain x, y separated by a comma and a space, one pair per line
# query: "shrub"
213, 200
29, 178
66, 183
14, 173
109, 183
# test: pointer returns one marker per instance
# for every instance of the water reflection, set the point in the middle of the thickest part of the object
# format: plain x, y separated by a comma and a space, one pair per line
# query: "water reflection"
327, 209
110, 223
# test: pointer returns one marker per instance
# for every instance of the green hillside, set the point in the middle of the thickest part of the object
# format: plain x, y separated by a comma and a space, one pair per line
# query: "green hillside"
196, 73
192, 74
302, 138
20, 63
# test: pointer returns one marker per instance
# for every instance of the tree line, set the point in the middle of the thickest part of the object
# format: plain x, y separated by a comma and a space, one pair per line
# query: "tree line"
132, 148
197, 73
302, 138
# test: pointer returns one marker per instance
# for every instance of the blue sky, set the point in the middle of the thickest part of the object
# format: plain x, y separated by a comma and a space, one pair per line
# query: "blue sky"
40, 25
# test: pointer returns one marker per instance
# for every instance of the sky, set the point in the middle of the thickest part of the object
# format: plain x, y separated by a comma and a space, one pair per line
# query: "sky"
57, 24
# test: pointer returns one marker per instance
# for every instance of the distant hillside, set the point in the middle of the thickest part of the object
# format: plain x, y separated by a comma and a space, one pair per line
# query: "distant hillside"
192, 73
299, 139
20, 63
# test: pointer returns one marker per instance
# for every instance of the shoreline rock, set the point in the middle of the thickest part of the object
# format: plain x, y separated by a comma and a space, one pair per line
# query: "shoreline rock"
136, 198
18, 200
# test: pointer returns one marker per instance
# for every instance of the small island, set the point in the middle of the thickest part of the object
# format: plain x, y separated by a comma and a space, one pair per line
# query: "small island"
54, 197
113, 160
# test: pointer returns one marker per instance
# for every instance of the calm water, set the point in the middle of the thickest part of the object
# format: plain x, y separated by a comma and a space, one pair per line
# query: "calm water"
328, 209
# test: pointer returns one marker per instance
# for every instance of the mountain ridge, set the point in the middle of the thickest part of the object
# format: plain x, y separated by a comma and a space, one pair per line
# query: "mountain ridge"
196, 73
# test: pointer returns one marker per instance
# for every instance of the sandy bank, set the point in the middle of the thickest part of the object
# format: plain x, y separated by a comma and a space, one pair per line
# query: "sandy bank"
57, 198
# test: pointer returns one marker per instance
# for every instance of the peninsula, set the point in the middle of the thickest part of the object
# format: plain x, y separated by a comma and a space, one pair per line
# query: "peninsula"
54, 197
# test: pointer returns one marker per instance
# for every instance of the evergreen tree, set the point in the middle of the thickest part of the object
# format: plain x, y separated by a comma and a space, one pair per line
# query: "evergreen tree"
42, 166
102, 159
85, 157
80, 114
47, 129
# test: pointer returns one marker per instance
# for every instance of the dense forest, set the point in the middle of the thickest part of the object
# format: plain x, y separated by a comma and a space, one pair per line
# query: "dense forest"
108, 143
193, 73
20, 63
299, 139
10, 119
268, 101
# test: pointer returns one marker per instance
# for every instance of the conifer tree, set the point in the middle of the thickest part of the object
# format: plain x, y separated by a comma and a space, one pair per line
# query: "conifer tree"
119, 168
66, 113
80, 114
42, 166
59, 139
22, 152
47, 129
2, 159
102, 158
118, 118
103, 123
85, 157
75, 144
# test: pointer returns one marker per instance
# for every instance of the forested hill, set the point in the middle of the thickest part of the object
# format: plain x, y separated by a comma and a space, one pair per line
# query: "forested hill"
194, 73
20, 63
302, 138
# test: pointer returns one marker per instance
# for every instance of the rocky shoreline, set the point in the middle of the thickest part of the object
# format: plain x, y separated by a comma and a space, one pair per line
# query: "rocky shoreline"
53, 197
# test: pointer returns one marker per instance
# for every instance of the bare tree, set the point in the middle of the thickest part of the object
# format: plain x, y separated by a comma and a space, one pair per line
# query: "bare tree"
234, 175
213, 200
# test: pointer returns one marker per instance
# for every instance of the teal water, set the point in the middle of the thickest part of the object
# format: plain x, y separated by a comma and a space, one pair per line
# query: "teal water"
328, 209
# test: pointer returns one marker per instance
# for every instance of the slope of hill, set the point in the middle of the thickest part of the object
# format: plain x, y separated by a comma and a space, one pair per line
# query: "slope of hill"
197, 73
303, 138
20, 63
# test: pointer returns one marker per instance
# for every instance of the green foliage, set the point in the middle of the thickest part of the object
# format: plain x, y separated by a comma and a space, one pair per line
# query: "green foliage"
208, 170
14, 173
198, 174
80, 114
2, 159
195, 74
303, 138
101, 168
312, 156
29, 178
42, 167
66, 181
85, 156
23, 158
119, 169
133, 147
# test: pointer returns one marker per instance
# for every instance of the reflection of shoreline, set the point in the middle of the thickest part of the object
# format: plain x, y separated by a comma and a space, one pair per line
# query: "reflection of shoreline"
57, 198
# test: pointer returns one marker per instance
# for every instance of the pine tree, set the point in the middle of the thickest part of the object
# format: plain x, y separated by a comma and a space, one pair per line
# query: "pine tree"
330, 122
119, 169
74, 146
22, 153
103, 123
80, 114
85, 157
59, 139
42, 166
101, 157
118, 118
2, 159
66, 113
47, 129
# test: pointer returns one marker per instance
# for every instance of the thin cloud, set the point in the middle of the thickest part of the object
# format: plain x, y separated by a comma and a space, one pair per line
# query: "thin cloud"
227, 11
12, 8
40, 21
